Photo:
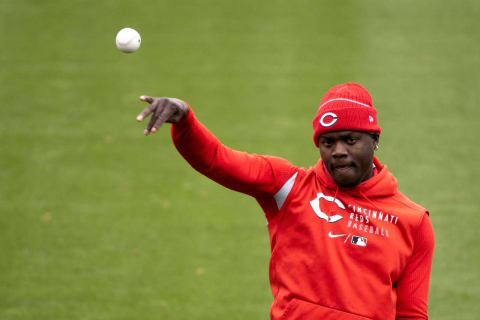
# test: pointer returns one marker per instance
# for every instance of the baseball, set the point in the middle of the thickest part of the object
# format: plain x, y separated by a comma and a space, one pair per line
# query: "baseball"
128, 40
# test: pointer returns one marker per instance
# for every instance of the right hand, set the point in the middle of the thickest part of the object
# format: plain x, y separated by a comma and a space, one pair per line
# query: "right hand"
163, 110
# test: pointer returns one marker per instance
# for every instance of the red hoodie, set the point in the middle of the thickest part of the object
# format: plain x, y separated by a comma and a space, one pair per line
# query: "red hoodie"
356, 253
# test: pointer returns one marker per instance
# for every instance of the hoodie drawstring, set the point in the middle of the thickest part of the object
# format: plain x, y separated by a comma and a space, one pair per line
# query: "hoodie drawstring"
334, 199
369, 201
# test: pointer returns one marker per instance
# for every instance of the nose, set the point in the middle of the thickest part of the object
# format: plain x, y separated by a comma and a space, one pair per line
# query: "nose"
339, 150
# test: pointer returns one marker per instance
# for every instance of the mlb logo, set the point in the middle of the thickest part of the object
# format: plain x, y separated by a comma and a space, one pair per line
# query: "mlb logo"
359, 241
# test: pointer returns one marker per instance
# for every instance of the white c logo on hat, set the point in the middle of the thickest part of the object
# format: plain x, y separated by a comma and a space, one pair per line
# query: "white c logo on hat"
332, 122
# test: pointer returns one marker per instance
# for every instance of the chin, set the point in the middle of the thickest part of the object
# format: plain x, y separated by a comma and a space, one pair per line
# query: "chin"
345, 182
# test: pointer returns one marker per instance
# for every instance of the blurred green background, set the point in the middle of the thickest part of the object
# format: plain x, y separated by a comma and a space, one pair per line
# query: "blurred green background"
99, 222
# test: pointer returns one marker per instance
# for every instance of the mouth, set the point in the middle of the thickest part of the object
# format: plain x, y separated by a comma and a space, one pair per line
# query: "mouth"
345, 174
343, 167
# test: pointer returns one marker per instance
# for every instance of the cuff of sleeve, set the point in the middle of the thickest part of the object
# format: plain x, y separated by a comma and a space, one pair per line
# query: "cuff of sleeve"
179, 129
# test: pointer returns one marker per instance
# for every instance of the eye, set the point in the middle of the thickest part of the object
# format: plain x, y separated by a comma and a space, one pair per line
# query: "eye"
351, 140
326, 142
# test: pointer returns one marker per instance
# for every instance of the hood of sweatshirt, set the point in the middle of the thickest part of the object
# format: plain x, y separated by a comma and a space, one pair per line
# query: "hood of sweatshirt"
381, 184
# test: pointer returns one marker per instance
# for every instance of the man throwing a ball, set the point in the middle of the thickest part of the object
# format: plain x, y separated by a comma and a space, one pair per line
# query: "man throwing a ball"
345, 243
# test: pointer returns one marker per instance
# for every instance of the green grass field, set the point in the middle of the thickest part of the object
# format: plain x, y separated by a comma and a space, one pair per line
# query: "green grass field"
99, 222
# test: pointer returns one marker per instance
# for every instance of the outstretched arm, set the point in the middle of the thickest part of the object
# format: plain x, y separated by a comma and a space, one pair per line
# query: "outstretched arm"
252, 174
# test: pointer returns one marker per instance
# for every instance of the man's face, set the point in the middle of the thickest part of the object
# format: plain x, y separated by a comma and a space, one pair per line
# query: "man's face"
348, 156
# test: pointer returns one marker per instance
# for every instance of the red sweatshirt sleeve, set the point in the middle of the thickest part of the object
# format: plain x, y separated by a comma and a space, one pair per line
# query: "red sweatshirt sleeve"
252, 174
412, 289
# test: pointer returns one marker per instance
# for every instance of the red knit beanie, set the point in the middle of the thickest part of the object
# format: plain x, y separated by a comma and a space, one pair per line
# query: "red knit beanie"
347, 106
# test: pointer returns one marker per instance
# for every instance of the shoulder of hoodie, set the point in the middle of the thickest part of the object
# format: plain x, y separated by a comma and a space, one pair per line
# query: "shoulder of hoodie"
414, 207
284, 169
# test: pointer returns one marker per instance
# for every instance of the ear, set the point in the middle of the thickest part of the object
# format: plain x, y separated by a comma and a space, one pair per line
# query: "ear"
376, 138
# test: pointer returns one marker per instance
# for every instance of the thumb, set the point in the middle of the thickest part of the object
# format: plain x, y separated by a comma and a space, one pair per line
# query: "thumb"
146, 99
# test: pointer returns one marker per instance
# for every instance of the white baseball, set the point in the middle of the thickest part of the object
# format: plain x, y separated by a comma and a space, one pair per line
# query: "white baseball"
128, 40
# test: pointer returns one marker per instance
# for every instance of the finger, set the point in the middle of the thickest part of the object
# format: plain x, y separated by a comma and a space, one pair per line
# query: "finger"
146, 99
148, 109
163, 105
145, 112
152, 121
155, 107
164, 116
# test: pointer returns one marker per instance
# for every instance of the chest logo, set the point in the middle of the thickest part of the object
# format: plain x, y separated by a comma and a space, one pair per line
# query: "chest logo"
359, 241
315, 203
331, 235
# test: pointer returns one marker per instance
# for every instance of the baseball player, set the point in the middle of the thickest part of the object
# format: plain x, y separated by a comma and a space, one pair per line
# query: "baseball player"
345, 243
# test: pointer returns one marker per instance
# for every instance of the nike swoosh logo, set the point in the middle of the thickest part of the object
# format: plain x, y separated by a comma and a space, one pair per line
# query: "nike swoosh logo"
331, 235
